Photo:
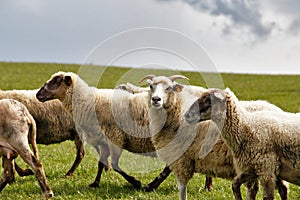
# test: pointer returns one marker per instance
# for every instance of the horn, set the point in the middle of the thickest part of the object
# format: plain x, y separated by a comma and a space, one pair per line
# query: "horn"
174, 77
150, 76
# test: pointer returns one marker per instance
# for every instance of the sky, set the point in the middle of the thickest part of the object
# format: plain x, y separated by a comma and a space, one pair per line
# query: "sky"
240, 36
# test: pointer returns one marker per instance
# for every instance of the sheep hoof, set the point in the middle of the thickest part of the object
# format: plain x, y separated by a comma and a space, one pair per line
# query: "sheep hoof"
48, 195
69, 174
11, 181
94, 185
137, 185
27, 172
209, 188
148, 188
107, 167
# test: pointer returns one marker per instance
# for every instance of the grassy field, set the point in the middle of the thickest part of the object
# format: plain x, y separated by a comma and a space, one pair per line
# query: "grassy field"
283, 91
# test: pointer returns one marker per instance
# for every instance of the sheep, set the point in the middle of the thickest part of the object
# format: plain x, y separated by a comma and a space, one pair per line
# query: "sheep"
129, 87
178, 144
250, 106
265, 144
17, 128
196, 90
54, 124
116, 119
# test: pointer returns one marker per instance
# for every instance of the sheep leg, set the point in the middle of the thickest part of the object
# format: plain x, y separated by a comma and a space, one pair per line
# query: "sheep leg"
104, 153
115, 156
158, 180
182, 190
80, 152
8, 175
252, 189
238, 181
24, 151
282, 189
96, 182
208, 183
23, 172
104, 148
135, 183
39, 173
268, 185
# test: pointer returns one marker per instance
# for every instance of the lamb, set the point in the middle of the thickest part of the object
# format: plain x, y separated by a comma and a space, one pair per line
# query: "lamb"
265, 144
54, 124
112, 118
178, 144
17, 127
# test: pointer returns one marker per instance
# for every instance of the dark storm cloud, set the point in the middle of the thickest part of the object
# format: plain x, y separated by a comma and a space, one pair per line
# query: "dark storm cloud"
246, 14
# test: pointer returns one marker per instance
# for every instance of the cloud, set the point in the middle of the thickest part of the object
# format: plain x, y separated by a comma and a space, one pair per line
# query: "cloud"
288, 9
35, 7
67, 31
295, 26
242, 14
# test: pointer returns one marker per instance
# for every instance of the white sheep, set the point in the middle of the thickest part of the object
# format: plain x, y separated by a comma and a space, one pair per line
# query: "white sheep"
54, 123
110, 117
17, 128
258, 105
265, 144
207, 146
129, 87
194, 90
178, 144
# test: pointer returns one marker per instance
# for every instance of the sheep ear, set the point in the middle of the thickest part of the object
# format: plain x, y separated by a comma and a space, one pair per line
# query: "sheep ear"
177, 88
68, 80
211, 138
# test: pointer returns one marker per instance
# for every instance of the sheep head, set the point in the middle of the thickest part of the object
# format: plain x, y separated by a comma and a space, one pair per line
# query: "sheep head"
162, 88
56, 87
210, 106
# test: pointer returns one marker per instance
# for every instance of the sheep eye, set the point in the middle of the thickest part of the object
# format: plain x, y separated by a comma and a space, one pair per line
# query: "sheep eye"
151, 87
169, 89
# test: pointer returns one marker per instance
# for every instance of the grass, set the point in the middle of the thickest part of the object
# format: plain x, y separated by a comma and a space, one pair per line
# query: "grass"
282, 90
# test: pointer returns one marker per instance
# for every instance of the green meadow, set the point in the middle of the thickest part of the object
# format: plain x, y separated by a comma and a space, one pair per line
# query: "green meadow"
282, 90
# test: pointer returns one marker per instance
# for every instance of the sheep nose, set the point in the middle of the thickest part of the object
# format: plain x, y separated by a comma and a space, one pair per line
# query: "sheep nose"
156, 99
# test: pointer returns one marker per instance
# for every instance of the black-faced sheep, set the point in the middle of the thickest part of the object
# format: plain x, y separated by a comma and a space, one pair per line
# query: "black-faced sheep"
17, 129
54, 123
105, 117
265, 144
178, 144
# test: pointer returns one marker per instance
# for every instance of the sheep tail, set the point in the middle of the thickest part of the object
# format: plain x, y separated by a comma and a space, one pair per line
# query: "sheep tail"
32, 135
